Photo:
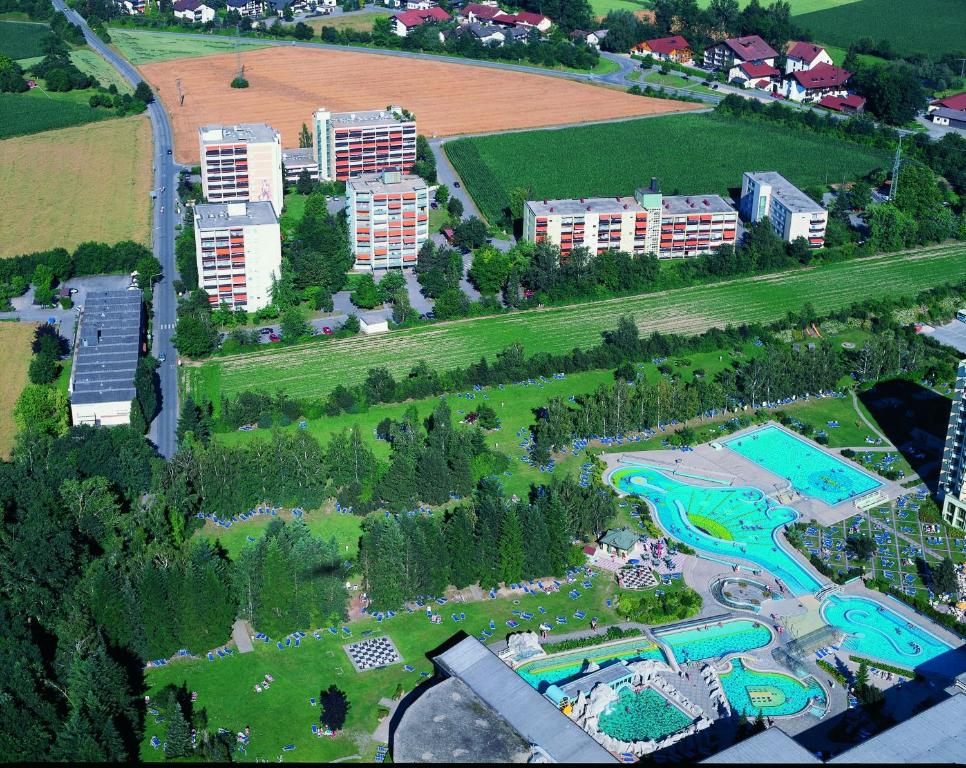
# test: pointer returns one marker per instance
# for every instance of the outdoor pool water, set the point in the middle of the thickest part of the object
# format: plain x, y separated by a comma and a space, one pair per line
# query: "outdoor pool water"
562, 669
736, 522
810, 471
774, 693
712, 641
641, 716
880, 633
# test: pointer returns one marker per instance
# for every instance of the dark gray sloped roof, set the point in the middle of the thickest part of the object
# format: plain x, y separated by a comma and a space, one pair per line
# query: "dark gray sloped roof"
108, 344
769, 747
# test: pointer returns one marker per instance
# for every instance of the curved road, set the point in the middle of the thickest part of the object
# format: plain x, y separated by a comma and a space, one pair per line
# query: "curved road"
163, 429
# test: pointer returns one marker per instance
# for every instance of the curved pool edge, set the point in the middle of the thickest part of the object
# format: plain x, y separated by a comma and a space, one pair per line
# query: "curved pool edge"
745, 658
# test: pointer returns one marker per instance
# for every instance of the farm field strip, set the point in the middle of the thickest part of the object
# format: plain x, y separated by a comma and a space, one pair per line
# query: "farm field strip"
312, 370
141, 47
15, 352
22, 39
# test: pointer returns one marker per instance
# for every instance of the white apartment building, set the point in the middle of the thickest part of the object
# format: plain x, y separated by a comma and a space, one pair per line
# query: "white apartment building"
241, 163
349, 144
238, 248
792, 213
952, 471
388, 219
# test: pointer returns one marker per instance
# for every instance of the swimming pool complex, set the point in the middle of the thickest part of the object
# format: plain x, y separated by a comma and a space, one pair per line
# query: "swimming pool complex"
732, 521
712, 641
641, 716
559, 670
810, 471
774, 693
880, 633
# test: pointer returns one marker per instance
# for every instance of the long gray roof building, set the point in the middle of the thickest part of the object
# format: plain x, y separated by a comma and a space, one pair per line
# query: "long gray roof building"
107, 348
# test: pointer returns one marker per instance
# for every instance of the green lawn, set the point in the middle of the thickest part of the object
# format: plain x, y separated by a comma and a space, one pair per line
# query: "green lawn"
35, 111
22, 39
311, 370
710, 152
293, 207
141, 47
282, 715
911, 26
87, 61
676, 81
603, 7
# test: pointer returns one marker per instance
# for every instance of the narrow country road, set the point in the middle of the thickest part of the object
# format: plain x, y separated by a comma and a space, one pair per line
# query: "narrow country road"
163, 430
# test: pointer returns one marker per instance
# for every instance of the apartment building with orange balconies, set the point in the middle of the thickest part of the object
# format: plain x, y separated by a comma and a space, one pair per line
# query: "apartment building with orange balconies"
388, 219
350, 144
238, 249
241, 163
667, 226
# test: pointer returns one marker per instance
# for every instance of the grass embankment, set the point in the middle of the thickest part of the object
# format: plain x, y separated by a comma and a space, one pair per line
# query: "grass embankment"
15, 353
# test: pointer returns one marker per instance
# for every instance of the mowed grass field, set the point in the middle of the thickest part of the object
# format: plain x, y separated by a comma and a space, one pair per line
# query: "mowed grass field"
141, 47
87, 61
88, 182
22, 39
15, 341
932, 27
358, 22
312, 370
689, 154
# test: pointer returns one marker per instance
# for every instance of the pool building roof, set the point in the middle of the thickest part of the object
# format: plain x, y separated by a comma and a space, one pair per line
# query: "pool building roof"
609, 675
620, 538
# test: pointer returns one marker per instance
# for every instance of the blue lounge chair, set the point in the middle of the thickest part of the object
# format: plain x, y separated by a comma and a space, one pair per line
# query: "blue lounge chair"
409, 668
280, 646
512, 624
211, 656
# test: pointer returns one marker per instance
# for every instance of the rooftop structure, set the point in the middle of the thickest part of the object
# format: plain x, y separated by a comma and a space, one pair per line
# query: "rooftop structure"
952, 473
957, 102
805, 52
675, 204
768, 747
105, 358
221, 215
582, 205
850, 103
750, 48
242, 133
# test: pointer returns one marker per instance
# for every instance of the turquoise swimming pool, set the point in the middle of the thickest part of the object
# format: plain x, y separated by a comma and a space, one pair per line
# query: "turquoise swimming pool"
641, 716
879, 632
736, 522
810, 471
559, 670
712, 641
775, 694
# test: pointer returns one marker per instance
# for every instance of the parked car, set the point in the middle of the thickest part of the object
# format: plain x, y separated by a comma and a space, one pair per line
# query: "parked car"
456, 184
274, 337
326, 330
265, 331
434, 205
430, 315
162, 357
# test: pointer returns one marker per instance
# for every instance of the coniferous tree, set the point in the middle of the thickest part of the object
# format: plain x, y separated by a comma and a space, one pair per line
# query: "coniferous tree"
177, 740
489, 516
461, 547
511, 547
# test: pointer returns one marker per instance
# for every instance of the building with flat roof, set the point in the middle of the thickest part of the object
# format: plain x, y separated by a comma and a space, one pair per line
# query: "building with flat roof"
238, 248
106, 352
350, 144
673, 226
952, 471
792, 213
388, 219
480, 710
241, 163
294, 161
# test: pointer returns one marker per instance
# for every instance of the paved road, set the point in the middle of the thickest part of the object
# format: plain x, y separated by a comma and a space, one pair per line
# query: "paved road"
163, 429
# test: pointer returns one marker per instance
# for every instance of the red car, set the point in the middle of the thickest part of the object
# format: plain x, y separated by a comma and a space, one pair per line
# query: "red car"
326, 330
274, 337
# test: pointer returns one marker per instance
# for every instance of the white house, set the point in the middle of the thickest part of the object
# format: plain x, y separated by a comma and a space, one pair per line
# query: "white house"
132, 7
420, 5
250, 8
814, 84
404, 23
804, 56
762, 76
488, 34
194, 11
729, 54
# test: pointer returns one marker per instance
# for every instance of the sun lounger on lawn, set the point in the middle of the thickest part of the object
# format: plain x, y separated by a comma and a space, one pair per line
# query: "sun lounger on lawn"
561, 619
492, 624
526, 616
409, 668
280, 646
512, 624
288, 747
579, 614
346, 631
211, 656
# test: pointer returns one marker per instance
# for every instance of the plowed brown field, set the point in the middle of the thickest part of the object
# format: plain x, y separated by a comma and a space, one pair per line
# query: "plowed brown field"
287, 85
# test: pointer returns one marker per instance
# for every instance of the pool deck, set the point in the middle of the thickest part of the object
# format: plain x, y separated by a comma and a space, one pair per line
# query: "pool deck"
728, 465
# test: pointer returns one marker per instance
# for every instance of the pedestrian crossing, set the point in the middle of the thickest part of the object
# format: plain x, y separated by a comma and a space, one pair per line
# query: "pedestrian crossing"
165, 326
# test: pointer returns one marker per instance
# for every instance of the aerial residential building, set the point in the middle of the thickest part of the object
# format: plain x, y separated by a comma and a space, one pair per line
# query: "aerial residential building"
669, 227
250, 8
131, 7
848, 105
388, 219
591, 39
674, 48
957, 102
488, 34
404, 23
762, 76
952, 471
950, 118
109, 341
241, 163
729, 54
349, 144
803, 56
420, 5
294, 161
238, 248
792, 213
814, 84
194, 11
535, 21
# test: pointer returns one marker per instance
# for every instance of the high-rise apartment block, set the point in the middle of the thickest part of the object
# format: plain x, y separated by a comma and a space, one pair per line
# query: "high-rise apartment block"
349, 144
238, 248
792, 213
241, 163
952, 471
672, 226
388, 219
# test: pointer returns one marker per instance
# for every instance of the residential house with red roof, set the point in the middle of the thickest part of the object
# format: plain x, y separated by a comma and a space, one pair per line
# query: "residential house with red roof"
848, 105
729, 54
530, 20
673, 48
955, 102
762, 76
814, 84
491, 13
802, 56
406, 22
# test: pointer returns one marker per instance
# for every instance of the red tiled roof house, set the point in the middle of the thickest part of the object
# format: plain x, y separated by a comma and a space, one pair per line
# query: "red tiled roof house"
404, 23
804, 56
815, 84
674, 48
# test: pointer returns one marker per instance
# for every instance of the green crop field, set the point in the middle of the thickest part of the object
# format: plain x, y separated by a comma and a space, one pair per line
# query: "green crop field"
911, 26
87, 61
35, 111
710, 152
311, 370
21, 39
141, 47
